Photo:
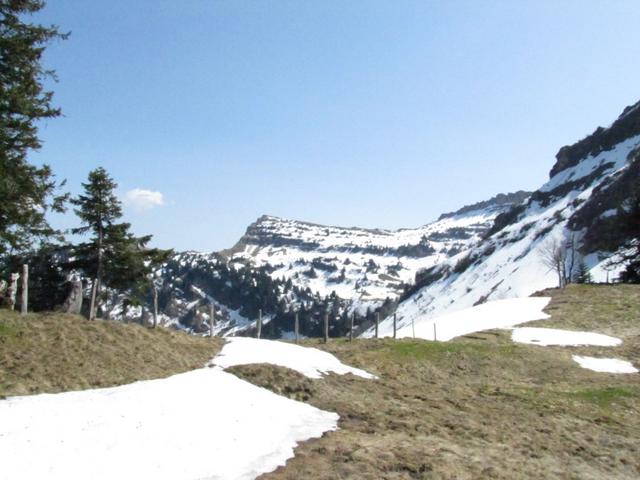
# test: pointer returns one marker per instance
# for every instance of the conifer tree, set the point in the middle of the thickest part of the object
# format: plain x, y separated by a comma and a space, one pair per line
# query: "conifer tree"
27, 191
582, 275
114, 257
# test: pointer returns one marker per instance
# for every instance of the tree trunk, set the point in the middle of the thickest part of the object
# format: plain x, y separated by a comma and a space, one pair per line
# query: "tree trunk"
96, 281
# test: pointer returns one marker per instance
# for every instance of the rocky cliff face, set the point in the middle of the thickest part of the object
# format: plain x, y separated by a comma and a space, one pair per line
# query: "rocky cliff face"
601, 140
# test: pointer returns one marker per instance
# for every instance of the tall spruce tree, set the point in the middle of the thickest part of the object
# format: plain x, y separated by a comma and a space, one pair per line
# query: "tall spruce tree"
27, 192
114, 257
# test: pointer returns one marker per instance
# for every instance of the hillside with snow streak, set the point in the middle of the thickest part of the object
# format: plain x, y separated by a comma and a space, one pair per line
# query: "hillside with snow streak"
587, 191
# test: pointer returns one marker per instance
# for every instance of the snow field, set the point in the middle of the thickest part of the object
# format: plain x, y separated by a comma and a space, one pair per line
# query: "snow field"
202, 424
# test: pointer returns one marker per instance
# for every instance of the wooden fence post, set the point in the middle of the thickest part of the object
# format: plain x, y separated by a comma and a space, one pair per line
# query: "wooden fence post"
297, 328
212, 318
395, 325
25, 290
353, 316
259, 323
155, 306
377, 322
435, 337
326, 328
13, 290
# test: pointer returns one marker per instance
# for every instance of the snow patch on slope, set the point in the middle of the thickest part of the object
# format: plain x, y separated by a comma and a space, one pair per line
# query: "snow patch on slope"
605, 365
553, 336
154, 429
496, 314
311, 362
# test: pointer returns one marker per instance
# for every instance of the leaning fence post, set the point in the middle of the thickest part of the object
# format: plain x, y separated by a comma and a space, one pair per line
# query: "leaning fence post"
25, 290
259, 323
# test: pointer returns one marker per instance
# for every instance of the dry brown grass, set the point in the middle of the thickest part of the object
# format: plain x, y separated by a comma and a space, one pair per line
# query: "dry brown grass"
477, 407
54, 352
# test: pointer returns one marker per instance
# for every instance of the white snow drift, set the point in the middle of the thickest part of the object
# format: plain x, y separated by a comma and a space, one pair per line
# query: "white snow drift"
310, 362
496, 314
201, 424
605, 365
552, 336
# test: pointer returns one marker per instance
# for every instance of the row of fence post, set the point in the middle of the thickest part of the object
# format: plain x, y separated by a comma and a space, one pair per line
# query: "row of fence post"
212, 323
13, 287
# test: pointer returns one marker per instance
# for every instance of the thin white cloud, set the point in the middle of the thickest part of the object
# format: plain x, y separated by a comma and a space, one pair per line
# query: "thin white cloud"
142, 200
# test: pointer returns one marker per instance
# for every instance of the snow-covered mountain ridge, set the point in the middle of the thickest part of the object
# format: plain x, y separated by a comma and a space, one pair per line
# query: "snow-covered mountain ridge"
365, 266
281, 265
587, 190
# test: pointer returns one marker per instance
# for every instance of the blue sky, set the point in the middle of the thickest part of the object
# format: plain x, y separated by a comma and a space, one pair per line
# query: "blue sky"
365, 113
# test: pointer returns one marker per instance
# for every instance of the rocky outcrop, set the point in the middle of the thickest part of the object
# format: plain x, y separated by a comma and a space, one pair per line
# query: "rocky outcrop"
500, 201
73, 303
602, 139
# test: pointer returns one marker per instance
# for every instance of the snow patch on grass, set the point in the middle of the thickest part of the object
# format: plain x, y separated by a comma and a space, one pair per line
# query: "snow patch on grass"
310, 362
553, 336
605, 365
496, 314
202, 424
